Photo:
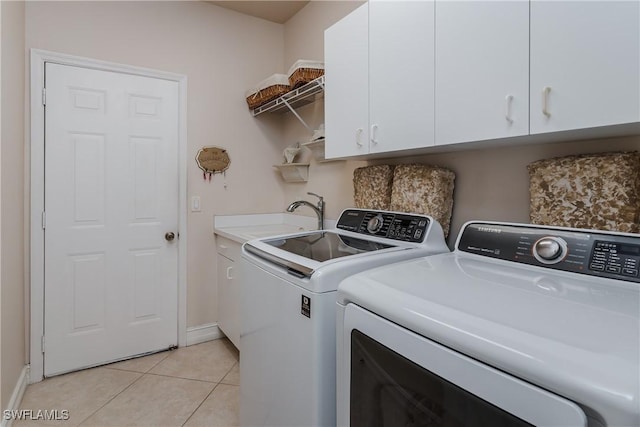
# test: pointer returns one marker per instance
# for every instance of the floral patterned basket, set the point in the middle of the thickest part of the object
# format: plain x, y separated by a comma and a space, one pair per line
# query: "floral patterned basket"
595, 191
418, 189
426, 190
372, 187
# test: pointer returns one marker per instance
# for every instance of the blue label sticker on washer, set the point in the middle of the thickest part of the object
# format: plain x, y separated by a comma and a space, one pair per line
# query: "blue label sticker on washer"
306, 306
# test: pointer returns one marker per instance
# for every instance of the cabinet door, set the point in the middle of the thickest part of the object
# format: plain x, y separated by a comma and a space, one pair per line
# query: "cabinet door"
401, 75
228, 300
482, 70
587, 56
347, 85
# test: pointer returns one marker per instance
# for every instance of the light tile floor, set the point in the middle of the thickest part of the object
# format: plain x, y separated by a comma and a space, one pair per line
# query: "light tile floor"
190, 386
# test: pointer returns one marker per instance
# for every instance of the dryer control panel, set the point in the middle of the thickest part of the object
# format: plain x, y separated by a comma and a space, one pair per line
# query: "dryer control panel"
602, 254
391, 225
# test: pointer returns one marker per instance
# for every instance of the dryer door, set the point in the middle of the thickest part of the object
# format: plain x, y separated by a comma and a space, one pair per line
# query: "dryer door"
396, 377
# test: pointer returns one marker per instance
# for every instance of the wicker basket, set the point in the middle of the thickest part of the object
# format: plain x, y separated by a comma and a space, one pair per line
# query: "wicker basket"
267, 90
304, 71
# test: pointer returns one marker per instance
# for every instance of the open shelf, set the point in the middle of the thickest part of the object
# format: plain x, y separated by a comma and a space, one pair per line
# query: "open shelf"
296, 98
294, 172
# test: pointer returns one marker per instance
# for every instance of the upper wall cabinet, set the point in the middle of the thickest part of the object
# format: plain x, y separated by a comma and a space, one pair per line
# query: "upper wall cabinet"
405, 75
401, 75
346, 98
380, 79
481, 70
585, 59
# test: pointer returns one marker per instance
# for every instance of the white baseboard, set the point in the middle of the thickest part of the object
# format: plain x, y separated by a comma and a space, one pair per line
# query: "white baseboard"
203, 333
16, 396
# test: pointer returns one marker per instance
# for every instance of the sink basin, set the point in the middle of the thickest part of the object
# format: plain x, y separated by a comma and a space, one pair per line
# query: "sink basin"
242, 228
258, 232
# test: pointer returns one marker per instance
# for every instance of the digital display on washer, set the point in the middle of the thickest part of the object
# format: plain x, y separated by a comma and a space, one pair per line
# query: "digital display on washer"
391, 225
629, 249
611, 257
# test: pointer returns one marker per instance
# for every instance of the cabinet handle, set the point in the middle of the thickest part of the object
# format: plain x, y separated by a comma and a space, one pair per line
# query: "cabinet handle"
229, 276
545, 101
374, 133
223, 247
507, 112
359, 136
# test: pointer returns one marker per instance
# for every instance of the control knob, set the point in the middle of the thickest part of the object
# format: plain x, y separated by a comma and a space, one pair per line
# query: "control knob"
375, 224
550, 250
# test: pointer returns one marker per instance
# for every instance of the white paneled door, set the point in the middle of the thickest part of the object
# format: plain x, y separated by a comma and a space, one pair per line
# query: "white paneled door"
111, 202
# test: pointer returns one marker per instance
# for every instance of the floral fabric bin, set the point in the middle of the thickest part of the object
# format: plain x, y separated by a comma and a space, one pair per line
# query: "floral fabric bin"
595, 191
424, 189
372, 187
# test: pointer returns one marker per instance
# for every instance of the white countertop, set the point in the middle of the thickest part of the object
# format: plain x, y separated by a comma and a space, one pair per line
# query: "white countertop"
241, 228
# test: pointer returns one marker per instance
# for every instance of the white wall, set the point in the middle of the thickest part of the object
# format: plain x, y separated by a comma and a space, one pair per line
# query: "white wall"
12, 219
223, 53
304, 39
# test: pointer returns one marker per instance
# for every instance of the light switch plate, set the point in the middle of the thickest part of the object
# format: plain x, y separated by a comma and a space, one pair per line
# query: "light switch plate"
195, 203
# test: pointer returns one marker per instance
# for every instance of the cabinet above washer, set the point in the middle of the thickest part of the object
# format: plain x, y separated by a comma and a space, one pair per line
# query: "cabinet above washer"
379, 68
501, 73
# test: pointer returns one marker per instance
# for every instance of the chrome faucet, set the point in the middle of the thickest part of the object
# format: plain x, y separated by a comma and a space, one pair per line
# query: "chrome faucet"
319, 208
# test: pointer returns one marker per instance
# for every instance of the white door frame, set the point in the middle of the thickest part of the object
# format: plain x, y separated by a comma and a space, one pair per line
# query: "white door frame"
38, 59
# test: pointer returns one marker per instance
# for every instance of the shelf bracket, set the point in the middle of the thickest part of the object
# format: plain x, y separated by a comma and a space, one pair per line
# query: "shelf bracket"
297, 115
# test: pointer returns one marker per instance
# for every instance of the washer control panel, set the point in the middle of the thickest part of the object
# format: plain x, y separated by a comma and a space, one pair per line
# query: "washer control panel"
550, 250
615, 257
602, 254
391, 225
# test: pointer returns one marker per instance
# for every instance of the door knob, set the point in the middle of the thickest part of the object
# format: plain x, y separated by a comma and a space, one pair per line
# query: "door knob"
169, 236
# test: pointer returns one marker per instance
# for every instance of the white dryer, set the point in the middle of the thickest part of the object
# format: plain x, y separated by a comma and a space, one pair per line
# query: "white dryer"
521, 325
288, 332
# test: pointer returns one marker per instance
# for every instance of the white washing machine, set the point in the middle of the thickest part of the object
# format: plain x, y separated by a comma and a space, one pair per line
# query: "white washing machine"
288, 332
520, 325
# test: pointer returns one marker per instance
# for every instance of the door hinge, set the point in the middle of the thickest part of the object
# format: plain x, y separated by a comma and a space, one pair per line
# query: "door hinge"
44, 220
42, 344
44, 96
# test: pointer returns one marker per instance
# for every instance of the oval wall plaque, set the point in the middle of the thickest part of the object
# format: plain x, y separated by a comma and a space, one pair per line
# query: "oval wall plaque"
212, 160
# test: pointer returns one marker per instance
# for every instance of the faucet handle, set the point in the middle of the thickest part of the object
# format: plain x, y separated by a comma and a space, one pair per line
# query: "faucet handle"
317, 195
